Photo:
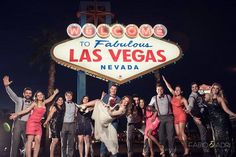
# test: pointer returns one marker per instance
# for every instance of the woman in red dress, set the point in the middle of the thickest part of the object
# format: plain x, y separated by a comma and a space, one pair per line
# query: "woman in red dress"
33, 126
179, 103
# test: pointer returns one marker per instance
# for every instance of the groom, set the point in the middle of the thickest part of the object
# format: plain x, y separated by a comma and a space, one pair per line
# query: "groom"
110, 99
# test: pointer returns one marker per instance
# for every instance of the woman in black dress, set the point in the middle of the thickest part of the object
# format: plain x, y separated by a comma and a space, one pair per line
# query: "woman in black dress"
84, 129
55, 119
219, 119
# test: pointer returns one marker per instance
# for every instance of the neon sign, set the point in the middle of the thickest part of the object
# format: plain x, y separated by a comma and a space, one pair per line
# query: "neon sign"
116, 53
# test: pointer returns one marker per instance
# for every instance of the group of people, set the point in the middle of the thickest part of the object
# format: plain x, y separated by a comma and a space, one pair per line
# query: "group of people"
165, 116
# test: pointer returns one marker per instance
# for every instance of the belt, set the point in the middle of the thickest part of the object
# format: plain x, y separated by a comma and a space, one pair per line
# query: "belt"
132, 124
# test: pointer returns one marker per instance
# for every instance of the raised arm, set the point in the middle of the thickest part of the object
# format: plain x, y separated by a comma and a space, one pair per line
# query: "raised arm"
6, 83
103, 94
225, 107
52, 96
15, 115
168, 86
51, 112
90, 103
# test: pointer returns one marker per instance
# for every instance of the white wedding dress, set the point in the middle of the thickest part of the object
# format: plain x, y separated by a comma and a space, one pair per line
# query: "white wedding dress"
103, 129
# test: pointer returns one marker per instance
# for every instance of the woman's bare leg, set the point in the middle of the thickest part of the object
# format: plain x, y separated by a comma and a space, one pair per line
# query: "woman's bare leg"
87, 145
183, 137
81, 145
161, 147
28, 145
151, 147
178, 133
37, 140
53, 146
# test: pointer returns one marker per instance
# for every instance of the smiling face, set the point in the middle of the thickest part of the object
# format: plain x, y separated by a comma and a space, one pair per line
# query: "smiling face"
136, 100
159, 90
194, 88
113, 90
60, 101
39, 96
85, 100
215, 89
68, 96
141, 103
125, 101
178, 91
27, 94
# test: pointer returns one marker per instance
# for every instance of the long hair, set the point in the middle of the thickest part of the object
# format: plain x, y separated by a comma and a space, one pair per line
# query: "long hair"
210, 97
56, 99
35, 96
129, 106
221, 92
81, 101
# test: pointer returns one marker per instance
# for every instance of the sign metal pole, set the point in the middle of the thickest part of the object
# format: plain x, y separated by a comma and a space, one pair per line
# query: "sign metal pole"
81, 76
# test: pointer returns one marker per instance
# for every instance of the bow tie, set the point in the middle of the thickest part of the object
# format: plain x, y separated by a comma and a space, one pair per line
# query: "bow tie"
162, 96
27, 101
69, 102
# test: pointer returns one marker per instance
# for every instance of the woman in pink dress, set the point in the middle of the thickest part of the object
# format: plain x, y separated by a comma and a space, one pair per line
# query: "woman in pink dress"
151, 129
33, 126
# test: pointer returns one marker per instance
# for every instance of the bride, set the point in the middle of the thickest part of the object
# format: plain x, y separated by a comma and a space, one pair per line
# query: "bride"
103, 115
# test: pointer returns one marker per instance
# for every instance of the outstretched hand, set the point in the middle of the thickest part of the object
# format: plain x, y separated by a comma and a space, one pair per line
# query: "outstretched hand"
6, 81
56, 91
13, 116
187, 111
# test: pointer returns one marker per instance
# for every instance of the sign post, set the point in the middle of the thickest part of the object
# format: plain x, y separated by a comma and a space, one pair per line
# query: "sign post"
84, 5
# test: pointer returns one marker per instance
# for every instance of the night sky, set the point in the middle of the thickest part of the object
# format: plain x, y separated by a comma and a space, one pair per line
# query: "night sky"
204, 29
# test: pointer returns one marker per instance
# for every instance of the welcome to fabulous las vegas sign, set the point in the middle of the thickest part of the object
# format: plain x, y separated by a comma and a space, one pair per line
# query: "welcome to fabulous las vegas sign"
116, 53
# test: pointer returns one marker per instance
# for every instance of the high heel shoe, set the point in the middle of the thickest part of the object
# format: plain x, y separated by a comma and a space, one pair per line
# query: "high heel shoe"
187, 154
162, 151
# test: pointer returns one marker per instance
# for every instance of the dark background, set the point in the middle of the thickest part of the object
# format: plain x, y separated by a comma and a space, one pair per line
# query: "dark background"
204, 29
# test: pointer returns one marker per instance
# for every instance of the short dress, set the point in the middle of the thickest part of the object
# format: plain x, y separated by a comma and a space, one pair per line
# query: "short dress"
178, 111
84, 124
33, 126
56, 122
149, 124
